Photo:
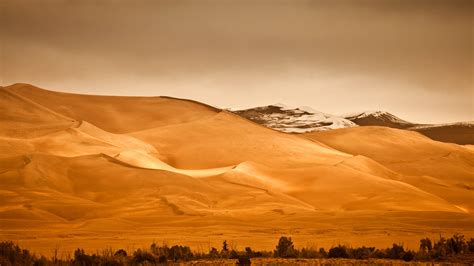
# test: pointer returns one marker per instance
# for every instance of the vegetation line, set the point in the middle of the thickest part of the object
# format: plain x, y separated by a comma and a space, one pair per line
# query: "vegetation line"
454, 249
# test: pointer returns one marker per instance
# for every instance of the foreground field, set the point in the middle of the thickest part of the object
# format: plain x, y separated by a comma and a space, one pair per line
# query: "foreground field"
104, 171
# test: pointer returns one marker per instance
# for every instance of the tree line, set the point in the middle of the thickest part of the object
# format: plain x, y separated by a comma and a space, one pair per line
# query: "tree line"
429, 250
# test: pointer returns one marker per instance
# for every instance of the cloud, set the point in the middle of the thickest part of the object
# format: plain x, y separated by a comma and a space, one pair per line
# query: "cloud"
222, 52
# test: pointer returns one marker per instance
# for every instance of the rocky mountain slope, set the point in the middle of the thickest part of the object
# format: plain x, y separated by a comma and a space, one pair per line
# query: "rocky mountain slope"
293, 120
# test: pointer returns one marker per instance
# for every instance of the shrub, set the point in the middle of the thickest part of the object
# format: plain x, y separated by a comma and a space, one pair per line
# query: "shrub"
285, 248
180, 253
425, 245
39, 262
243, 260
396, 252
309, 253
456, 244
252, 254
470, 245
362, 253
233, 254
439, 248
338, 252
162, 259
12, 254
323, 253
213, 253
249, 251
408, 256
120, 253
81, 258
160, 250
140, 256
379, 254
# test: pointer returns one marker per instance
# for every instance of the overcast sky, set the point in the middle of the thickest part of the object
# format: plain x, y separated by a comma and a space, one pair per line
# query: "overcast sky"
413, 58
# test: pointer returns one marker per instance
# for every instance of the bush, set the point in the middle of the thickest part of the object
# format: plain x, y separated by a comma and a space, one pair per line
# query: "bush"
285, 248
470, 245
12, 254
309, 253
213, 253
408, 256
180, 253
252, 254
456, 244
120, 253
379, 254
396, 252
439, 248
338, 252
81, 258
243, 260
233, 254
162, 259
362, 253
425, 245
323, 253
160, 250
39, 262
141, 256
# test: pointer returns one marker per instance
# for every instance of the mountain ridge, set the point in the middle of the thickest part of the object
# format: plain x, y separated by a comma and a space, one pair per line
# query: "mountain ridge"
293, 119
303, 119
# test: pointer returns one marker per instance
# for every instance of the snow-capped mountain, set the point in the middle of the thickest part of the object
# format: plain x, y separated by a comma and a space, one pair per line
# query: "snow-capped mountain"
460, 133
294, 120
378, 118
305, 119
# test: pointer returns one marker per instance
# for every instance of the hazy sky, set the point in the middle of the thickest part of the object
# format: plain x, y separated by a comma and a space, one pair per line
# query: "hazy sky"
413, 58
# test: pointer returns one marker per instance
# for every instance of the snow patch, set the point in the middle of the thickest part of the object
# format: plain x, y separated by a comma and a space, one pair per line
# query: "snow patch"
288, 119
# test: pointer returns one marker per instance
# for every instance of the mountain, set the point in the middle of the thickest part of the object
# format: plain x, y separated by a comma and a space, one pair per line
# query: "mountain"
378, 118
108, 171
304, 119
460, 133
293, 120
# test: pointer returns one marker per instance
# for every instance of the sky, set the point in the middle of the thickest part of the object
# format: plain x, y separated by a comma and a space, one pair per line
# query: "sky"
413, 58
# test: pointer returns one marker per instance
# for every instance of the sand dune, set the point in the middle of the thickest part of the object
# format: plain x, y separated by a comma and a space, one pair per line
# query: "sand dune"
226, 139
20, 117
144, 160
446, 170
405, 151
101, 170
116, 114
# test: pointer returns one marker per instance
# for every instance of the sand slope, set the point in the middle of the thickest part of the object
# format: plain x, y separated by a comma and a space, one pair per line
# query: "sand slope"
20, 117
226, 139
91, 171
116, 114
446, 170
